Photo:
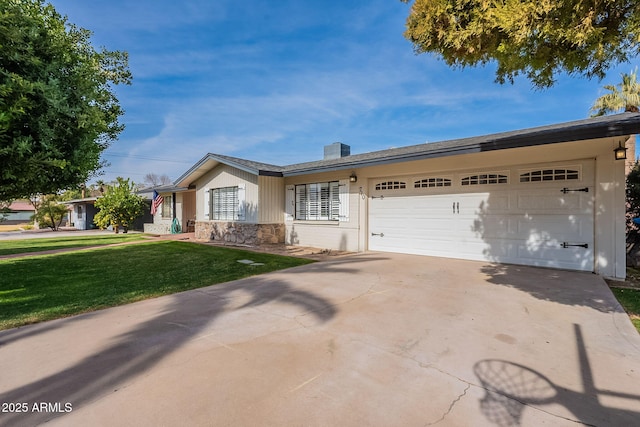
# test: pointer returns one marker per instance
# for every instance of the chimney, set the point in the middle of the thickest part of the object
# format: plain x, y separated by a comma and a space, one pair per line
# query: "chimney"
336, 151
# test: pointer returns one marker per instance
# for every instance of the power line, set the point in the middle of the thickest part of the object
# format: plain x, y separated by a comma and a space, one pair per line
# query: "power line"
144, 158
125, 173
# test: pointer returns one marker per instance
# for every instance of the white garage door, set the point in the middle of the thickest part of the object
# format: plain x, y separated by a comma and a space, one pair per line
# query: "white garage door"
534, 215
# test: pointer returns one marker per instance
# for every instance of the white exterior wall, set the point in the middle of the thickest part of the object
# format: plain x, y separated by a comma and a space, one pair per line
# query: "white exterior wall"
227, 176
338, 235
609, 197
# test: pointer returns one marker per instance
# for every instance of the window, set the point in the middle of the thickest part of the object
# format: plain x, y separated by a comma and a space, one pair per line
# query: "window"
166, 207
391, 185
224, 203
318, 201
487, 178
432, 182
549, 175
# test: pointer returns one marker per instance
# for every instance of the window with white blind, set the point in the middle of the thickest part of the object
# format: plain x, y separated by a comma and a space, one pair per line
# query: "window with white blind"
166, 206
226, 204
318, 201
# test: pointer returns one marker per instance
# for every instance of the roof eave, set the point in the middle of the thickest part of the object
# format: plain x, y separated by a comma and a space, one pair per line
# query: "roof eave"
626, 125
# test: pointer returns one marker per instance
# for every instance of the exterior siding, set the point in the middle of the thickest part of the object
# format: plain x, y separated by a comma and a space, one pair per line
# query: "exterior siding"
271, 200
227, 176
188, 211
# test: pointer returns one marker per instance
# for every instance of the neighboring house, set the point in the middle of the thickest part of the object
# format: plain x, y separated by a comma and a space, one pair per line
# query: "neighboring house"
84, 210
19, 212
82, 213
550, 196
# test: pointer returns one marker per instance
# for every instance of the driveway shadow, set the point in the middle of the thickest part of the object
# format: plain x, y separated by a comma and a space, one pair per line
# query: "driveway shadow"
511, 387
565, 287
138, 350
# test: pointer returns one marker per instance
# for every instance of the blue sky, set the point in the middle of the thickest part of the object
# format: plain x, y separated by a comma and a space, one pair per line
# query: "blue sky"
276, 81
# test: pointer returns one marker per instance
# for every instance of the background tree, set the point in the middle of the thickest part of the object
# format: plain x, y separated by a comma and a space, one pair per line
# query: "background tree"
119, 206
154, 180
633, 212
623, 97
4, 210
58, 111
536, 38
50, 212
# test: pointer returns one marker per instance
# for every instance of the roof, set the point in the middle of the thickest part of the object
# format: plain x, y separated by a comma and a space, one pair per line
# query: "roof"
86, 200
211, 160
21, 206
591, 128
147, 192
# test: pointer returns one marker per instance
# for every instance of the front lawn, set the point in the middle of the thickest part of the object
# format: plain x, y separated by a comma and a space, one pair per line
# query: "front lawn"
630, 300
44, 287
9, 247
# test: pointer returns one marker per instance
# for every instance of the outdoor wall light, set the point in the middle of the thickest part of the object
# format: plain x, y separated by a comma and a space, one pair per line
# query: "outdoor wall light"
620, 153
353, 177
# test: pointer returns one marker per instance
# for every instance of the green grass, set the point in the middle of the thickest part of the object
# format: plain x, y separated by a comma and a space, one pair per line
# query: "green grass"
44, 287
9, 247
630, 300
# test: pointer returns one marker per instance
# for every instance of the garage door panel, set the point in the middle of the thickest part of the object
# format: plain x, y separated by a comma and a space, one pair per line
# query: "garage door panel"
536, 201
517, 222
549, 254
487, 227
436, 247
483, 203
556, 227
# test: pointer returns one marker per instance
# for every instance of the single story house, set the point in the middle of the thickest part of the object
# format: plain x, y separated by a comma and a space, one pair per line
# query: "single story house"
551, 196
18, 212
83, 211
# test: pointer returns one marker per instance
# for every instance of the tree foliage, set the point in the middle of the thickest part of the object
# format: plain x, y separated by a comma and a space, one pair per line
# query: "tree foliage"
119, 206
58, 111
4, 210
623, 97
633, 203
536, 38
50, 212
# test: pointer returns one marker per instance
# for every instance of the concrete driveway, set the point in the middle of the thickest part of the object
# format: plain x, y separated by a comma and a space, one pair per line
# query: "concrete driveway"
371, 339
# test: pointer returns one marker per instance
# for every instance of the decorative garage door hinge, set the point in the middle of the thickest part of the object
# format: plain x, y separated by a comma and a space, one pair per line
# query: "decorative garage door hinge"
374, 197
566, 245
378, 234
566, 190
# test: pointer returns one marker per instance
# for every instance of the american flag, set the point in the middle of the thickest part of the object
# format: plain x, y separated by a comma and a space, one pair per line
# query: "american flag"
156, 202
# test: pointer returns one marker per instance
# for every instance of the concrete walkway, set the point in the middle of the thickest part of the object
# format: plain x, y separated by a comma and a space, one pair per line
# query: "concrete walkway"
371, 339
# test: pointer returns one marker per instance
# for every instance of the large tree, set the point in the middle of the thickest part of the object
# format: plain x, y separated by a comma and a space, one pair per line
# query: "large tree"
537, 38
58, 110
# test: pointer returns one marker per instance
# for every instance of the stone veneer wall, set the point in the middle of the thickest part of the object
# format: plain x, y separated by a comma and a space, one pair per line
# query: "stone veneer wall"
240, 233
